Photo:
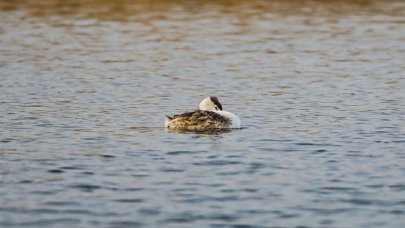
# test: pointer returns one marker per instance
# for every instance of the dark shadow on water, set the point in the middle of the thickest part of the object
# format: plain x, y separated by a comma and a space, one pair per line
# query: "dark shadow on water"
202, 132
196, 132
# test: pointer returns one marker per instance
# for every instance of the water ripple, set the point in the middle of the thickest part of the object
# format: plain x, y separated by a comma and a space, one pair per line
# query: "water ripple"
85, 87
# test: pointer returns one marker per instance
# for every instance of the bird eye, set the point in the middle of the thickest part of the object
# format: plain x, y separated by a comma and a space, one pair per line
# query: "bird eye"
216, 107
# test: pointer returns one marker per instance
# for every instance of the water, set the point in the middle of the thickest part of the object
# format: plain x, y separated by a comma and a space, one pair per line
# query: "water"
318, 85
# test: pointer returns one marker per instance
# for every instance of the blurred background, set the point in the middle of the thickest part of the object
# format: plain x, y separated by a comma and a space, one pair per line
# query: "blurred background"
319, 86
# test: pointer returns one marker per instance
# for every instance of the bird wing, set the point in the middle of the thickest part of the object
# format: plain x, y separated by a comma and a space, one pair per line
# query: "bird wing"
198, 120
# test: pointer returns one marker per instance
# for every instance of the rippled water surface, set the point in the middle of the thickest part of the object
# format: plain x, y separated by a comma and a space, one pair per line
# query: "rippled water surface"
318, 85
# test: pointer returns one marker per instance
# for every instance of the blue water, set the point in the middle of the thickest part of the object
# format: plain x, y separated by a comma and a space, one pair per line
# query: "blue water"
318, 87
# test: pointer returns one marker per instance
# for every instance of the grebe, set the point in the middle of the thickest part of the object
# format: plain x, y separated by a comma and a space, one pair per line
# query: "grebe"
209, 116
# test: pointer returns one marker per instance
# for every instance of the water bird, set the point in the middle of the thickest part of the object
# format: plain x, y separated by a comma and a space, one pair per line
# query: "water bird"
209, 116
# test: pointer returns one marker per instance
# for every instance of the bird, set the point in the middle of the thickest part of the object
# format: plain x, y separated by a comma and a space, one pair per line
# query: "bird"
209, 116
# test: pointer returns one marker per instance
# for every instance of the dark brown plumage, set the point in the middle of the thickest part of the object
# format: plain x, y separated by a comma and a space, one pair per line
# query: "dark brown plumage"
199, 120
216, 102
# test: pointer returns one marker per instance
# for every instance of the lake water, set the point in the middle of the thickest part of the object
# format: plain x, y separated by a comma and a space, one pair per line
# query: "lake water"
318, 85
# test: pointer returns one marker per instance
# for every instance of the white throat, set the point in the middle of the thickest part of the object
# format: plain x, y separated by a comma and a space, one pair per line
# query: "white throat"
206, 104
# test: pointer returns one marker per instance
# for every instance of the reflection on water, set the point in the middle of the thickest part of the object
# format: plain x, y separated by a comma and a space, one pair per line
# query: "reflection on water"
85, 86
202, 132
146, 10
